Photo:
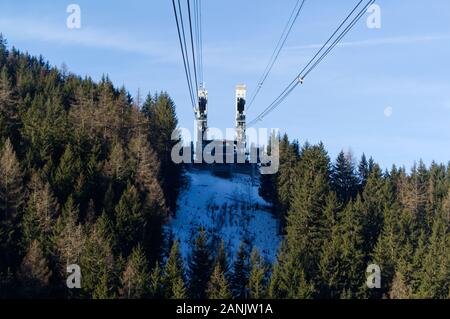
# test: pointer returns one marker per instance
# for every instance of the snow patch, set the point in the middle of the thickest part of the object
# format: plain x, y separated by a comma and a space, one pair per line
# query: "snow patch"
229, 209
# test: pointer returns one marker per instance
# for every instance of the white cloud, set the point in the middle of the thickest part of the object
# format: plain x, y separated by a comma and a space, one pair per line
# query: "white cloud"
85, 36
254, 59
380, 41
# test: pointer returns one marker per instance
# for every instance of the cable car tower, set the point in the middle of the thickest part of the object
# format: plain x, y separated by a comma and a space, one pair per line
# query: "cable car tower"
201, 116
241, 92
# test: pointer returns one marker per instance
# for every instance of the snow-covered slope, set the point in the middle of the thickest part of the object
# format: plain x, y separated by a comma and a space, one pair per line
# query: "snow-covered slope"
228, 209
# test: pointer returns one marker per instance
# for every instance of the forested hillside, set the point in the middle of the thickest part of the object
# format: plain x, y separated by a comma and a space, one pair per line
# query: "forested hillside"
342, 217
86, 178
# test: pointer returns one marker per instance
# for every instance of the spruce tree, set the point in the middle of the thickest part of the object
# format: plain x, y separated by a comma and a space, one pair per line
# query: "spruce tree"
116, 167
341, 264
45, 129
66, 173
39, 215
306, 220
343, 178
156, 283
436, 264
240, 275
129, 221
289, 280
9, 113
104, 289
179, 289
399, 289
363, 172
331, 214
68, 237
173, 273
257, 283
34, 273
286, 177
222, 258
135, 278
11, 204
11, 183
97, 261
200, 264
275, 289
377, 194
414, 194
162, 118
145, 167
387, 250
218, 286
3, 49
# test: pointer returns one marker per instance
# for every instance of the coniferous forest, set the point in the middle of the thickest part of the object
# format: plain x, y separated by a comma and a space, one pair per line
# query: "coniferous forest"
86, 178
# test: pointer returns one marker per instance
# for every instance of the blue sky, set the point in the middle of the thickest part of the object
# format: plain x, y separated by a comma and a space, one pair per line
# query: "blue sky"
403, 67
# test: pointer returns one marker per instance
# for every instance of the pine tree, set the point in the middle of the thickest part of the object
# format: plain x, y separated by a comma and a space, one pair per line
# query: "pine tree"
200, 264
173, 273
34, 273
135, 278
218, 286
239, 277
257, 283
